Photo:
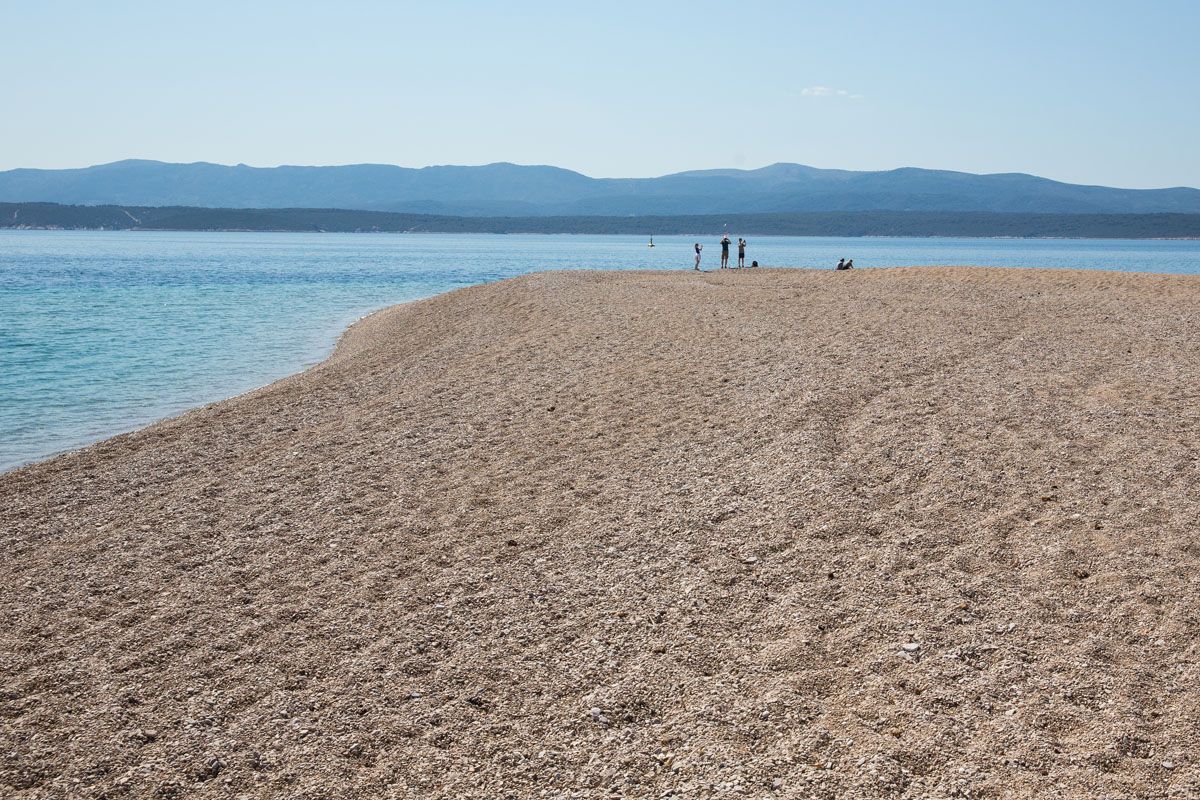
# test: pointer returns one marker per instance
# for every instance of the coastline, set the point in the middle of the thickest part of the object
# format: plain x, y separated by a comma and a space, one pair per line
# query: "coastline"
907, 224
679, 527
1001, 237
133, 427
325, 351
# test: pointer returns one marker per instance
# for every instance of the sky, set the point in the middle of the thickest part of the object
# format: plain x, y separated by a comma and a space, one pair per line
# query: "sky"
1098, 92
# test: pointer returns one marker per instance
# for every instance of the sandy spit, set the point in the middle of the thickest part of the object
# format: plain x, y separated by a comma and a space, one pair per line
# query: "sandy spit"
922, 533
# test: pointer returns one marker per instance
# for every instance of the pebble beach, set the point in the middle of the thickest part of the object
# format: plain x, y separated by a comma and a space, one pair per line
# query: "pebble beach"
918, 532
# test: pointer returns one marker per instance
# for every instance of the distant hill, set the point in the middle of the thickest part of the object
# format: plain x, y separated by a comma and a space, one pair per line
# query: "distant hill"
513, 190
837, 223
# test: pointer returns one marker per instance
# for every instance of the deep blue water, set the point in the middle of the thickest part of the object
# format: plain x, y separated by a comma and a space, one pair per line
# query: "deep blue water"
101, 332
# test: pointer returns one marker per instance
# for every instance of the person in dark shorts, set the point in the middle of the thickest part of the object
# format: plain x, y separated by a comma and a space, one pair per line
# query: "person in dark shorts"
741, 252
725, 252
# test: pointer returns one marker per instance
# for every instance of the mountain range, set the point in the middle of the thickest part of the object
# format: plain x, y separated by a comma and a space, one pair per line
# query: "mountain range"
512, 189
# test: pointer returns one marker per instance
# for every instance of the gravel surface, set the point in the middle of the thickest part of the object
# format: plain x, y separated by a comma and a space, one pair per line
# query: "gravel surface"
921, 533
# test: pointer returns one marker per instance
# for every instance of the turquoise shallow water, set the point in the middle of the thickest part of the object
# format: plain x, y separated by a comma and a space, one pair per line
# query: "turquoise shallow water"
101, 332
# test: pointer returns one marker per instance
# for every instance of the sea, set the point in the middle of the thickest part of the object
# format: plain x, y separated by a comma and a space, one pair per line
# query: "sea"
102, 332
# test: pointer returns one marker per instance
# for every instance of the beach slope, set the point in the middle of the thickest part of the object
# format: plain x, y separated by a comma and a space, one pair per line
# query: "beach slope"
888, 533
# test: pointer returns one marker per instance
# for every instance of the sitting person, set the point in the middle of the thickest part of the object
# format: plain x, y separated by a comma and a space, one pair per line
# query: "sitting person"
841, 264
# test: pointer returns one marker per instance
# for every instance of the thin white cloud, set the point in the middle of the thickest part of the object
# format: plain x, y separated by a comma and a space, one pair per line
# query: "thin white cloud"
826, 91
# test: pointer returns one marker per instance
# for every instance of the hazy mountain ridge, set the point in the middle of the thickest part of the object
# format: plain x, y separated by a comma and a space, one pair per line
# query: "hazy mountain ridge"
511, 189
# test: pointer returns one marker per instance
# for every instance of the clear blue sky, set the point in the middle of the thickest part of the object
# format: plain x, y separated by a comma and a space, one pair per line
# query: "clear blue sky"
1088, 91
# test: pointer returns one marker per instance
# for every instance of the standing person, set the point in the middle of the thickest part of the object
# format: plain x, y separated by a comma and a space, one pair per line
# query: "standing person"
725, 251
741, 252
699, 247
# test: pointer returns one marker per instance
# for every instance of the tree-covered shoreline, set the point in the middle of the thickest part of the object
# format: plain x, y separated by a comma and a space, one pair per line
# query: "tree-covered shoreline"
842, 223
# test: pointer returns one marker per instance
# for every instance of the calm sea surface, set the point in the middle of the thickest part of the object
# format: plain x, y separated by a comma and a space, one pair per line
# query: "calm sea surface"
101, 332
